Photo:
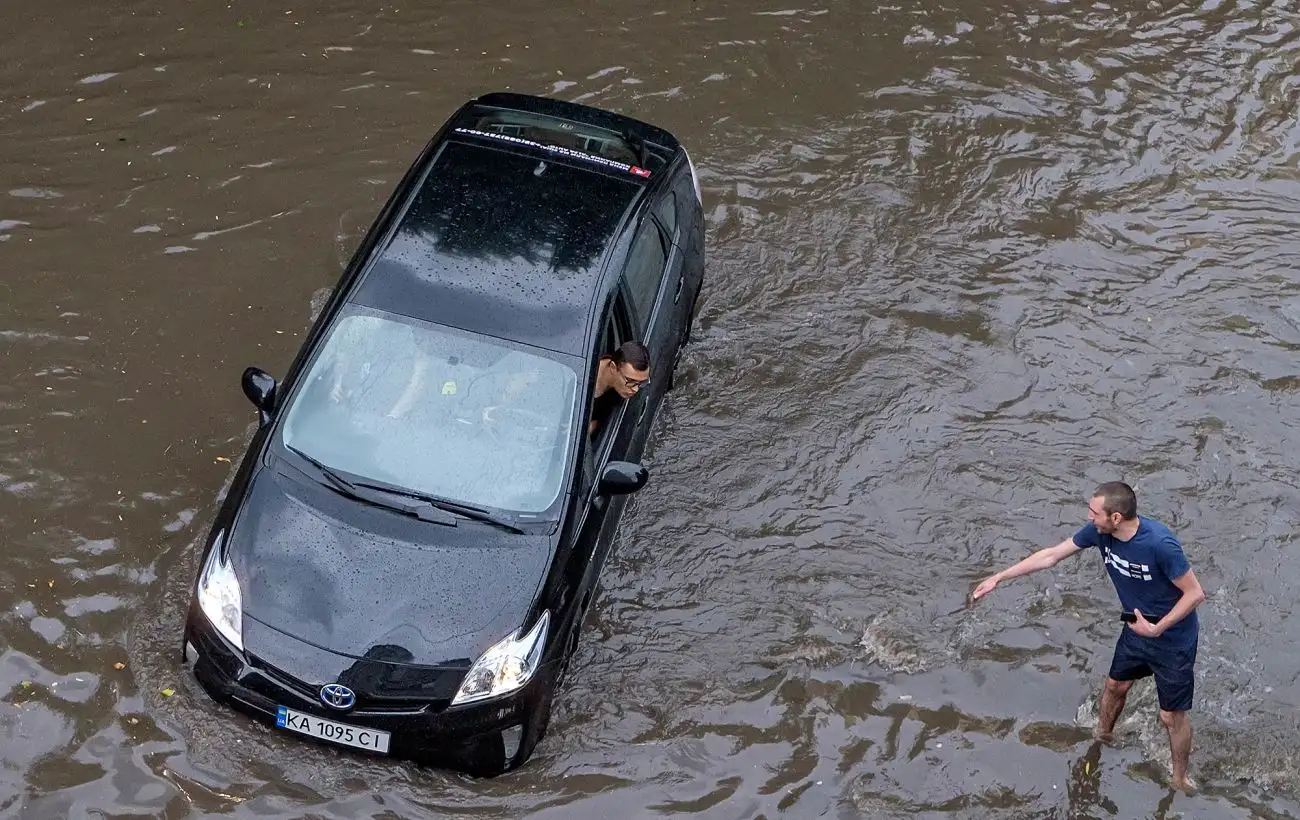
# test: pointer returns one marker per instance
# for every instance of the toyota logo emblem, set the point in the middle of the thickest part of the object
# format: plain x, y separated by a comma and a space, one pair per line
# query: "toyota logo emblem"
337, 696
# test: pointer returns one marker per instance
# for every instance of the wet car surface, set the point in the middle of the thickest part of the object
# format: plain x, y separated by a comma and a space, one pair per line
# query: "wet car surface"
407, 555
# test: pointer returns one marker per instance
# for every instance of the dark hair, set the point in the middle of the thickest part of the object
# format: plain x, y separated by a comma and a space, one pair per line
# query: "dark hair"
1118, 497
633, 353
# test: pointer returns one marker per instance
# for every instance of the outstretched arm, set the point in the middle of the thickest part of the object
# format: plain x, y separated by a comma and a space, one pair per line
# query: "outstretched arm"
1042, 559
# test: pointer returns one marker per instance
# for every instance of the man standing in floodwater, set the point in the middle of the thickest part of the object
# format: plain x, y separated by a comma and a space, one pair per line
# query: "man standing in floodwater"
1159, 594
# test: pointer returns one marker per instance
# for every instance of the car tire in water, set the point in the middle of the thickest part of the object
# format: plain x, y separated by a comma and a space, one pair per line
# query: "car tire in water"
685, 340
488, 758
690, 319
538, 722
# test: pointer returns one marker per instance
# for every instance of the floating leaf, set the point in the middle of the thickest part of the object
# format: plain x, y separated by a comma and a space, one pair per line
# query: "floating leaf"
119, 665
168, 692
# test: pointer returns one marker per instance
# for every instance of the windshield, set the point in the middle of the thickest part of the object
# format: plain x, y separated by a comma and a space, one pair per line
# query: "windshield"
436, 410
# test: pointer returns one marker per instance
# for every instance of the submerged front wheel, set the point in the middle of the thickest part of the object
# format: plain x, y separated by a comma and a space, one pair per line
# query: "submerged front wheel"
495, 754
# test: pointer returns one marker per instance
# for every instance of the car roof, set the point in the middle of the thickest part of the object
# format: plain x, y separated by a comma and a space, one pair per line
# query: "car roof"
507, 235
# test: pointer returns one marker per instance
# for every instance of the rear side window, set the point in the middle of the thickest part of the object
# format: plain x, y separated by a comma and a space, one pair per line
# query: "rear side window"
645, 267
666, 210
574, 136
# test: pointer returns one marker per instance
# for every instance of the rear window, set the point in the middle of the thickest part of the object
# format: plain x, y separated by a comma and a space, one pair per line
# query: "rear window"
573, 136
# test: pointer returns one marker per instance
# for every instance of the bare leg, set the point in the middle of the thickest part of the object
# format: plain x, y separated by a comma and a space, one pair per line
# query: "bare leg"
1179, 725
1113, 696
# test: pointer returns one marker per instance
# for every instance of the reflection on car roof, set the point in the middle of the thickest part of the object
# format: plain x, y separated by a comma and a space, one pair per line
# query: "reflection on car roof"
503, 243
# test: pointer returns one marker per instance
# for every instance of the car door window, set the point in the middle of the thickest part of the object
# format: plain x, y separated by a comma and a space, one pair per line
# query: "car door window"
644, 273
618, 330
605, 408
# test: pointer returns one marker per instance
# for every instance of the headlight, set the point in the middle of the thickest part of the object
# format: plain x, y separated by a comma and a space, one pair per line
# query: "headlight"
506, 666
219, 596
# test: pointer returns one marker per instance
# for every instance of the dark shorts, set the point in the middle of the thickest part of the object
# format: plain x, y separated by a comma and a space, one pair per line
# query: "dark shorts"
1173, 667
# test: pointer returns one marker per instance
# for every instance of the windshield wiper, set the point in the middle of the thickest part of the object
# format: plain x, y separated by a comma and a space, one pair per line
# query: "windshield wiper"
456, 507
337, 481
426, 511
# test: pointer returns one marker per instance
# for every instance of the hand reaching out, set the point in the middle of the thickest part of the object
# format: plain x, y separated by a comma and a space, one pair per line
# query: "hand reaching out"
985, 587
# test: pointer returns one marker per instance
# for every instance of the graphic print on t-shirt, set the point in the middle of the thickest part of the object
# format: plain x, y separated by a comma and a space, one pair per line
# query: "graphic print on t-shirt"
1143, 570
1138, 572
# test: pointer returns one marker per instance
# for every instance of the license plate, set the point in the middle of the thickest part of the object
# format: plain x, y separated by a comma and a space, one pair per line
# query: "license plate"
370, 739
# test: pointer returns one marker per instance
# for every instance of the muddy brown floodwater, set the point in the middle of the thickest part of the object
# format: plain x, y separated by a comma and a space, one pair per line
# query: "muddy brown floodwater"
967, 259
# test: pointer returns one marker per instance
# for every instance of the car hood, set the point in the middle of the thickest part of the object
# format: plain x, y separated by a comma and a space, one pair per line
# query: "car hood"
354, 579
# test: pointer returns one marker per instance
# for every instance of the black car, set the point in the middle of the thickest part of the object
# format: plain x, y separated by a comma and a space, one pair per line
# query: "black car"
409, 548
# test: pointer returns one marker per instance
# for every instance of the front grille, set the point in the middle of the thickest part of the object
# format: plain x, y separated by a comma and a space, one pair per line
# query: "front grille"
383, 707
300, 688
367, 699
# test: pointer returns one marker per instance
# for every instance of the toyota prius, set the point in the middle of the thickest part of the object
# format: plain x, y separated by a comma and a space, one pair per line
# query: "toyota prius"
411, 543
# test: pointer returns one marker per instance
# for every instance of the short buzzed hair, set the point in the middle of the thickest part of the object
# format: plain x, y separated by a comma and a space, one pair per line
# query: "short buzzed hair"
631, 353
1118, 497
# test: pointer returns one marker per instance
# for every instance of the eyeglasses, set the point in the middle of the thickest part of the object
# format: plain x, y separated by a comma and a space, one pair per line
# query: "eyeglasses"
632, 384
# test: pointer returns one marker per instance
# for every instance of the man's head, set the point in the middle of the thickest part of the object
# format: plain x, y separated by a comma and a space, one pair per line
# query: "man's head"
1112, 504
626, 369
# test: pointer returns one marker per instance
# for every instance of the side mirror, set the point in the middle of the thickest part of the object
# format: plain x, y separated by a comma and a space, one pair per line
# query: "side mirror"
259, 386
622, 478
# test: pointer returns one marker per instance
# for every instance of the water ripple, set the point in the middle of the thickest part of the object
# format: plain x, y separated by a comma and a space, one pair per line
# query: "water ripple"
964, 263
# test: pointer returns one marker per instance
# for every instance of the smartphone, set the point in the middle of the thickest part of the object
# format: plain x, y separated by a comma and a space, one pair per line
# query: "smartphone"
1128, 617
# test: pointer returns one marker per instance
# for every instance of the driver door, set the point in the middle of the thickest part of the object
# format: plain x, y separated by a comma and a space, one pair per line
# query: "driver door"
610, 443
652, 278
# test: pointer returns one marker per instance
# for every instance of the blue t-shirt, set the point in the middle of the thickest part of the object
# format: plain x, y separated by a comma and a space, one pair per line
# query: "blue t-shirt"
1143, 570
